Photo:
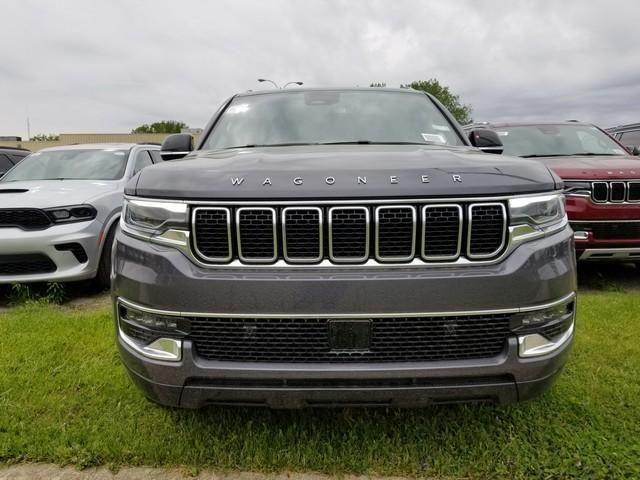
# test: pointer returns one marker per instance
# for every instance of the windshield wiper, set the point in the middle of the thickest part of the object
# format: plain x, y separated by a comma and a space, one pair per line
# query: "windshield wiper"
259, 145
369, 142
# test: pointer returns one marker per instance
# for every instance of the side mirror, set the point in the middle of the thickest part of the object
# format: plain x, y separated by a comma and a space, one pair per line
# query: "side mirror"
2, 174
176, 146
635, 150
486, 140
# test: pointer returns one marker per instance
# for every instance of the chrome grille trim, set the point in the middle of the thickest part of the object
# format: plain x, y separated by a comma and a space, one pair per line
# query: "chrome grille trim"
595, 185
388, 258
195, 239
364, 257
477, 256
612, 187
243, 258
423, 243
320, 236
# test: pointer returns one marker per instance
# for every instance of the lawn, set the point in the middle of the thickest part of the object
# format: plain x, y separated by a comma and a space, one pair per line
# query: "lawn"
65, 398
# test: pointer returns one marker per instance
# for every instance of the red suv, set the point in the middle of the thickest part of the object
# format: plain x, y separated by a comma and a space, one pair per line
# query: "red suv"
602, 181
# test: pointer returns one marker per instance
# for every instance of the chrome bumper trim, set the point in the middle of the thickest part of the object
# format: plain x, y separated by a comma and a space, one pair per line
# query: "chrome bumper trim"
628, 254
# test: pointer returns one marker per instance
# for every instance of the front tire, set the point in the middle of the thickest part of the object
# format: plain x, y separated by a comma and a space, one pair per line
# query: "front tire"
103, 277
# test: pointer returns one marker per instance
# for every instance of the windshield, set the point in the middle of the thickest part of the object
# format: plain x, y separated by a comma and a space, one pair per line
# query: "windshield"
324, 117
556, 140
107, 164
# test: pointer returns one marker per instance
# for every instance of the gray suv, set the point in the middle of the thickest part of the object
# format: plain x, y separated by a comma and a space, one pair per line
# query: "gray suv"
341, 247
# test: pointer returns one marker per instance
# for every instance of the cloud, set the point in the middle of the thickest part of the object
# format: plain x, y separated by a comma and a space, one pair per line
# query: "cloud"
85, 65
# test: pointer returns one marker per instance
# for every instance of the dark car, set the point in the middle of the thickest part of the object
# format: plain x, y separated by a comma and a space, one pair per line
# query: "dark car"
9, 157
601, 177
342, 247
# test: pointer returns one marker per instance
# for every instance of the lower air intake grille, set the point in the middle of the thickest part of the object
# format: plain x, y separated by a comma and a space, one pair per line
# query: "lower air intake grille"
609, 230
26, 264
307, 340
486, 229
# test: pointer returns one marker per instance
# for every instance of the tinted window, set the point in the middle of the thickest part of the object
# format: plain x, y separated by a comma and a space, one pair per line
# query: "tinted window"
143, 160
155, 156
5, 163
631, 138
556, 140
107, 164
313, 117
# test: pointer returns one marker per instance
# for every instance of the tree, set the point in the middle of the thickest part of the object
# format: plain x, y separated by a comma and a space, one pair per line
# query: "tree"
452, 102
44, 137
164, 126
378, 84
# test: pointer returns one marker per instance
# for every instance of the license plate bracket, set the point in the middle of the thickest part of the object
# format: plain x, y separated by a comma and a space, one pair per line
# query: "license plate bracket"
350, 334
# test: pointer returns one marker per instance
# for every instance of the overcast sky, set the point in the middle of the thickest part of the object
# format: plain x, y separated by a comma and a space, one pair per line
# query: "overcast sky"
109, 66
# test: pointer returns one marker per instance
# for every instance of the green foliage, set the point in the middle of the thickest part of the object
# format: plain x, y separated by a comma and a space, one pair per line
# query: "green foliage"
165, 126
452, 102
378, 85
22, 293
65, 398
43, 137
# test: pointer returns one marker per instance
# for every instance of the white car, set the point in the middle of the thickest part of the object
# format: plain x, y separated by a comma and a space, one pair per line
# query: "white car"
59, 210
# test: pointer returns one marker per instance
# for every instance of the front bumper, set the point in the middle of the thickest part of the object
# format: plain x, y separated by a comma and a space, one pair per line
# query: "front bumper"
18, 242
536, 273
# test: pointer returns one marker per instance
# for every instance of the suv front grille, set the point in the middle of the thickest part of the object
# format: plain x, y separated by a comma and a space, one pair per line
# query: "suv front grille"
26, 219
308, 340
349, 234
617, 191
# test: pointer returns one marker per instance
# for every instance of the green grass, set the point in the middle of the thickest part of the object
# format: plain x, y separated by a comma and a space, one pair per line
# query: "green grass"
65, 398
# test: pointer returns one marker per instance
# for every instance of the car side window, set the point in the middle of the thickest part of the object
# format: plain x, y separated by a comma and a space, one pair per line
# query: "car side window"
155, 156
5, 163
631, 138
143, 159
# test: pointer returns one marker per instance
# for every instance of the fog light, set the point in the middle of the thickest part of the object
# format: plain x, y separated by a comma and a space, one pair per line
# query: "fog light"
534, 344
151, 334
544, 330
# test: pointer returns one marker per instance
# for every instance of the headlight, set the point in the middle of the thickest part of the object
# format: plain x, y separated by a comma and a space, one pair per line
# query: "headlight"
532, 217
75, 213
155, 220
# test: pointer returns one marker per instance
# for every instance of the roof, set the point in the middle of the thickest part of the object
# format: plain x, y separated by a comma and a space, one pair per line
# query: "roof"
17, 149
96, 146
329, 89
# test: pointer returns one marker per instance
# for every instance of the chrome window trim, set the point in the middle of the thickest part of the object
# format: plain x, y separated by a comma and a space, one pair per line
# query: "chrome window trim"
365, 257
470, 208
195, 240
320, 236
423, 243
565, 299
274, 229
406, 258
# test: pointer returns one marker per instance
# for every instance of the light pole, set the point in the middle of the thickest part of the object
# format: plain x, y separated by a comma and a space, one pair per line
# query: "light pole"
294, 83
267, 80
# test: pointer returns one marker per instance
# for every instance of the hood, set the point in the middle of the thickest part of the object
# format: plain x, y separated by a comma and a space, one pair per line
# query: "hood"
594, 167
53, 193
340, 171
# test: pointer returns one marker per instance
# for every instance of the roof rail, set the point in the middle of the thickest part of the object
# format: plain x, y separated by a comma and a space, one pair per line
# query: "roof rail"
14, 148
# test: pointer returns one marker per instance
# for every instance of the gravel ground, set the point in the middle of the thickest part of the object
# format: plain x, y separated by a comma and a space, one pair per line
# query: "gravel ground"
53, 472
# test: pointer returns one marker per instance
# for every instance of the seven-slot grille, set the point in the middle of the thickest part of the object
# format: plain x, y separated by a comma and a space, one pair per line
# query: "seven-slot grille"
615, 191
27, 219
307, 340
350, 233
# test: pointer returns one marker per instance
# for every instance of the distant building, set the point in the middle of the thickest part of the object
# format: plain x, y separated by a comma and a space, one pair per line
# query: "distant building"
75, 138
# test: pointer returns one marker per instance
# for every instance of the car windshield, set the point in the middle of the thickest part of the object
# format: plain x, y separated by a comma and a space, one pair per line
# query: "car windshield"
94, 164
331, 116
556, 140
